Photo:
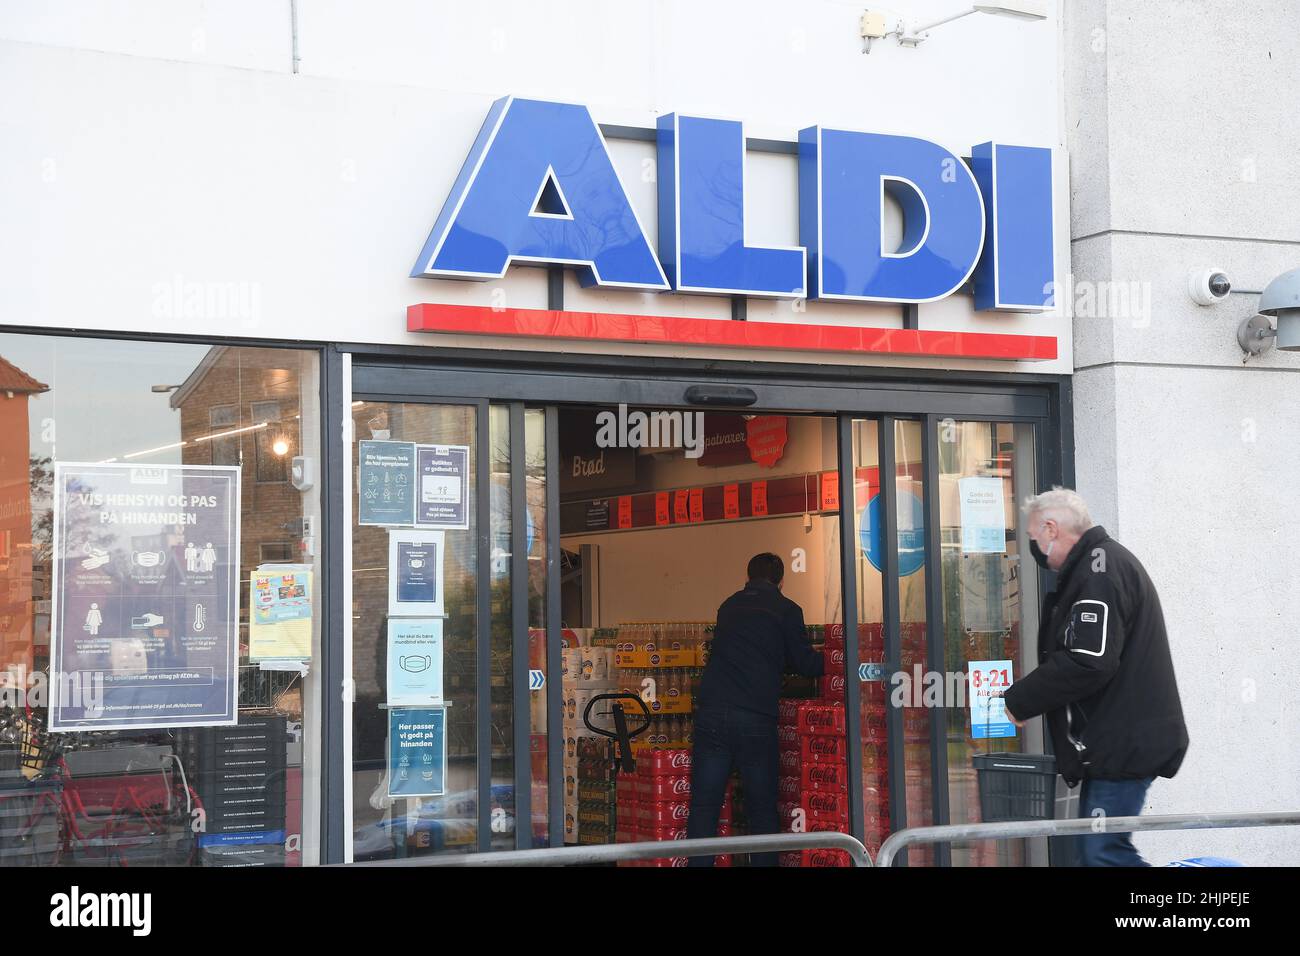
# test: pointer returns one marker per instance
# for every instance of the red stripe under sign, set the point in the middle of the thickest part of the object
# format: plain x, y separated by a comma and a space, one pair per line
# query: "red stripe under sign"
665, 330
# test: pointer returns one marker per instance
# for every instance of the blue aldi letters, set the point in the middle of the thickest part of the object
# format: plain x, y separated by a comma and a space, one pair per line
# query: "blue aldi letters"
539, 187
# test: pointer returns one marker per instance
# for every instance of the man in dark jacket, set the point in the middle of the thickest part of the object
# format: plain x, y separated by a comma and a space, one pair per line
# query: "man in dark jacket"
758, 636
1105, 678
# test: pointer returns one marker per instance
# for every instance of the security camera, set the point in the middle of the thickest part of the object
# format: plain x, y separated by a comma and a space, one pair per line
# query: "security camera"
1208, 286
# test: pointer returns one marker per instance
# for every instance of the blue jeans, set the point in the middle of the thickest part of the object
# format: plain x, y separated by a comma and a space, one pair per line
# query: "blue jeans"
1113, 798
727, 739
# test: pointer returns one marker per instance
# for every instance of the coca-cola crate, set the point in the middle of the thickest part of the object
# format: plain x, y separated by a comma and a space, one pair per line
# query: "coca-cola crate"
653, 763
788, 788
823, 748
786, 709
790, 762
832, 687
664, 788
825, 805
787, 737
675, 831
815, 858
816, 717
656, 815
825, 776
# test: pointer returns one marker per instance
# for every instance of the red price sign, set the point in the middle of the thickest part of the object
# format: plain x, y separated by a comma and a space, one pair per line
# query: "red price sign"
681, 505
731, 501
758, 499
625, 511
661, 508
830, 490
697, 504
990, 678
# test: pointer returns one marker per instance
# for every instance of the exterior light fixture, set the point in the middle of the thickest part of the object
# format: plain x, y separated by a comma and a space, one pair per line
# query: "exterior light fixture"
1281, 300
875, 25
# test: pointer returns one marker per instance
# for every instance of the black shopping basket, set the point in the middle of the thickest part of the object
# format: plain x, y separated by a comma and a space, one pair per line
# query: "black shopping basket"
1016, 786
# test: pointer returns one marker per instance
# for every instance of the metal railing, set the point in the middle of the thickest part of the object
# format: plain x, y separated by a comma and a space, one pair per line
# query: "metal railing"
967, 832
612, 852
857, 853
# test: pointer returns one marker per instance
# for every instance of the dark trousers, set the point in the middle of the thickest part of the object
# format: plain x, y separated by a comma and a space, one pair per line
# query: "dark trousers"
1111, 798
729, 739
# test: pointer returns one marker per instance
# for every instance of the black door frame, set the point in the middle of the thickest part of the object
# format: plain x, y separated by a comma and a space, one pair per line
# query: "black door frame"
547, 380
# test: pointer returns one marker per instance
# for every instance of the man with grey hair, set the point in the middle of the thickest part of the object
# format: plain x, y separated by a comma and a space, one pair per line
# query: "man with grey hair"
1105, 677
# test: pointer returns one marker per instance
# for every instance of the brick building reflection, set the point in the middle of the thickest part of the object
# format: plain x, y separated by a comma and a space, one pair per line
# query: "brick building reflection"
24, 602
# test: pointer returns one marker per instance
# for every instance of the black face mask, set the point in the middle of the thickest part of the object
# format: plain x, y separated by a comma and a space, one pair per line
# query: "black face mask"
1038, 554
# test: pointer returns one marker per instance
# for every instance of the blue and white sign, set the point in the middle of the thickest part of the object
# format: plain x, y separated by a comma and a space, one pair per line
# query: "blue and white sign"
415, 566
417, 751
442, 472
415, 660
385, 483
536, 679
146, 596
539, 187
911, 533
988, 680
983, 515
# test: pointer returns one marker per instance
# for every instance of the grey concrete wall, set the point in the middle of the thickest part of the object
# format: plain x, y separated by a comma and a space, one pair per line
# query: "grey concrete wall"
1182, 132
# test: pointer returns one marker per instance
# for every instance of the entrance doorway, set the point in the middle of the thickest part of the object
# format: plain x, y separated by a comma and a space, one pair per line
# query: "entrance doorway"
580, 530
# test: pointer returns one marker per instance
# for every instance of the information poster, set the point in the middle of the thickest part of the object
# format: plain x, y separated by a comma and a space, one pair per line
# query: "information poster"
386, 483
280, 613
146, 596
983, 515
443, 474
988, 713
414, 661
417, 751
415, 573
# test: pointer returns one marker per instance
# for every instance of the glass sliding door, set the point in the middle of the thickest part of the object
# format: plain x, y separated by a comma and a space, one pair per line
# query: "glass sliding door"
417, 748
989, 583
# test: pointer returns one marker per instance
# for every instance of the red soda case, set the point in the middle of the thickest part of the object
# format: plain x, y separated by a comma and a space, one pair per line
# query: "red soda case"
835, 658
825, 776
787, 737
816, 717
785, 811
790, 762
822, 748
626, 787
676, 862
823, 858
788, 787
664, 789
655, 763
832, 687
825, 805
658, 815
786, 709
671, 832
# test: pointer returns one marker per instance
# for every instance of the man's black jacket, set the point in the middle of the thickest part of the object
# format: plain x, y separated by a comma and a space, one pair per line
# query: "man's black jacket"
759, 636
1105, 678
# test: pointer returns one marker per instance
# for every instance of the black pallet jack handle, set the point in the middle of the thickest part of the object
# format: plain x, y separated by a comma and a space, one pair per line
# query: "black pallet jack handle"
622, 735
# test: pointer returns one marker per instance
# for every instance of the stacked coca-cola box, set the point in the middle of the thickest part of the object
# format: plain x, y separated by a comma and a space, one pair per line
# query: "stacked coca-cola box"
654, 802
813, 787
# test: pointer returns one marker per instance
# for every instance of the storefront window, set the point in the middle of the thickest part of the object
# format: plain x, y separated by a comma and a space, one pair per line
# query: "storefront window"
158, 604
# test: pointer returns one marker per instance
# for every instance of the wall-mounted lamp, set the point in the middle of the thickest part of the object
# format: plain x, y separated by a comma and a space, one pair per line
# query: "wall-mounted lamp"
876, 25
1280, 299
